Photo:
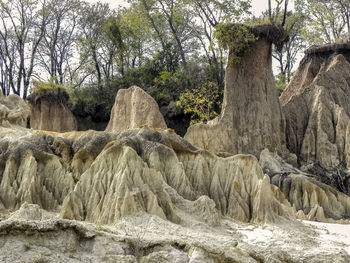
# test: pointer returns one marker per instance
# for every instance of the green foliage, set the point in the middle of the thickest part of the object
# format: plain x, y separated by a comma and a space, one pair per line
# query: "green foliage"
235, 37
47, 87
280, 82
113, 32
99, 227
164, 77
326, 21
153, 76
27, 246
165, 46
163, 84
202, 102
92, 103
295, 43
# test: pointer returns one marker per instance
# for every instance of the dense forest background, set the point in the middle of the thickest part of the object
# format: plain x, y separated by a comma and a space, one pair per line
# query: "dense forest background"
167, 47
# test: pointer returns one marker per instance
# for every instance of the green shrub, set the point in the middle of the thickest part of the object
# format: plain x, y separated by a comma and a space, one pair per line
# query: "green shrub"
235, 37
202, 102
47, 87
27, 246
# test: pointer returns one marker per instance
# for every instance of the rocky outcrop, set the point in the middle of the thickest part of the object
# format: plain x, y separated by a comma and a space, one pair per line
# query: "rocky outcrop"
49, 111
71, 241
251, 117
305, 192
83, 174
316, 105
162, 198
148, 239
133, 107
13, 110
143, 170
30, 170
160, 173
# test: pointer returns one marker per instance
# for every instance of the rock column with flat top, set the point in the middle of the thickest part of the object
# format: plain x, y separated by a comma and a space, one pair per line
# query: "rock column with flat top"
316, 105
251, 117
49, 111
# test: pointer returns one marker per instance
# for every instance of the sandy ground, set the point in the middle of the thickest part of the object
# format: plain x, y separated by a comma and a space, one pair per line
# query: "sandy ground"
159, 240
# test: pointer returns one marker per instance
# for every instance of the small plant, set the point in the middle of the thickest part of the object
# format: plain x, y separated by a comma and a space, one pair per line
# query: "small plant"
73, 250
137, 234
150, 127
69, 247
99, 227
280, 83
27, 247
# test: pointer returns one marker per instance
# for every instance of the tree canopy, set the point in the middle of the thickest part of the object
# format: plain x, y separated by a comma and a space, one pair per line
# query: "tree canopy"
167, 47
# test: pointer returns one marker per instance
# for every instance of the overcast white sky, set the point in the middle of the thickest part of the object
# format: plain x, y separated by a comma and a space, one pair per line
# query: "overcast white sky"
258, 6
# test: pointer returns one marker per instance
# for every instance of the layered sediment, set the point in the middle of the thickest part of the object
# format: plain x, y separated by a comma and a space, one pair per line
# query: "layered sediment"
49, 111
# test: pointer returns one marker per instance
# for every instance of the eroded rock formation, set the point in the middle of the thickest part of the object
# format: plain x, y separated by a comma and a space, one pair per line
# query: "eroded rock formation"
160, 173
148, 195
305, 192
133, 107
167, 175
102, 177
316, 105
30, 170
33, 235
49, 111
251, 117
13, 110
139, 170
162, 198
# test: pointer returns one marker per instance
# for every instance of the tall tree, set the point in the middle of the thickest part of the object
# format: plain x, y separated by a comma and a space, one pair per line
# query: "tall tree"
344, 6
58, 44
8, 57
292, 42
278, 14
98, 47
135, 33
209, 14
25, 21
327, 20
286, 57
171, 22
